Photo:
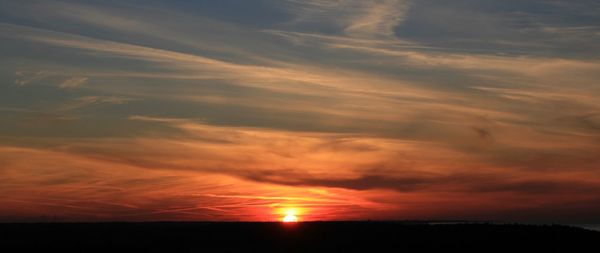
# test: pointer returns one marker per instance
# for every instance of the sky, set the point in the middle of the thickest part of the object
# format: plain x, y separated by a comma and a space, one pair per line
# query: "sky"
245, 110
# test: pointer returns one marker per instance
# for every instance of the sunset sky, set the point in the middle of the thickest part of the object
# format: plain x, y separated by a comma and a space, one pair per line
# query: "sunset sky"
246, 110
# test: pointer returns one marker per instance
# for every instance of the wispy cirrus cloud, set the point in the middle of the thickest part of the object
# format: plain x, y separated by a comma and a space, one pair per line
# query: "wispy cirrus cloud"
25, 78
365, 19
203, 67
84, 191
158, 176
73, 82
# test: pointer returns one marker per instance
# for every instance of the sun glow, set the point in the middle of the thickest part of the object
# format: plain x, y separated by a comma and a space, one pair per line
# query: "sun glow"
290, 216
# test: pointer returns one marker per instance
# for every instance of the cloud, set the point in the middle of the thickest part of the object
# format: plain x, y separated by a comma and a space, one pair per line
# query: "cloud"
93, 190
213, 172
470, 182
413, 54
103, 99
365, 19
73, 82
203, 67
310, 159
27, 78
381, 18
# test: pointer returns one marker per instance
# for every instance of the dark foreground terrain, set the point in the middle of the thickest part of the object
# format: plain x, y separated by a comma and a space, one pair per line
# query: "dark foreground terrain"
301, 237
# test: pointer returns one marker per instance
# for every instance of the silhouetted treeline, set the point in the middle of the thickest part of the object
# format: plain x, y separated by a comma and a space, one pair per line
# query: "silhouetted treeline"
301, 237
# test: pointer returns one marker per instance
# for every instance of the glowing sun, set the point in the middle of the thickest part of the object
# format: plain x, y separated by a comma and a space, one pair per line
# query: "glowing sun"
290, 216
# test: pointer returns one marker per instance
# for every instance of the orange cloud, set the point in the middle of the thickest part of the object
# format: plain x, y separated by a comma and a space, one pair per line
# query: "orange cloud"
232, 173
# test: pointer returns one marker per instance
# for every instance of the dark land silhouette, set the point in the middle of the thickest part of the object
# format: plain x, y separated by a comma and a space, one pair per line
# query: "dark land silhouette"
299, 237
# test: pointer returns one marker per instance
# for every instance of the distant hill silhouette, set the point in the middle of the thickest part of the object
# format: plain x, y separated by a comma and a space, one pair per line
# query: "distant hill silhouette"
300, 237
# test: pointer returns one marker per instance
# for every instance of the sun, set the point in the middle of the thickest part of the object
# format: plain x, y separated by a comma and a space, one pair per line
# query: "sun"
290, 216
